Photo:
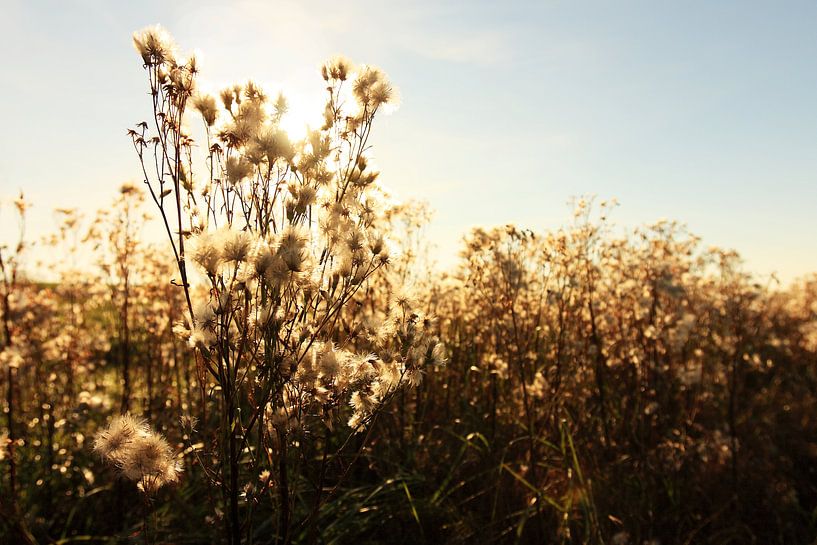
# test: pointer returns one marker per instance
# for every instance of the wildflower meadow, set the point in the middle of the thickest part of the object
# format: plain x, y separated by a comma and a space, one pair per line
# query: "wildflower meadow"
249, 344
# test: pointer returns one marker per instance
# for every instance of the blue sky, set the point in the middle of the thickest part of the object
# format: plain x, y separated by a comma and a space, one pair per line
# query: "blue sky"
705, 112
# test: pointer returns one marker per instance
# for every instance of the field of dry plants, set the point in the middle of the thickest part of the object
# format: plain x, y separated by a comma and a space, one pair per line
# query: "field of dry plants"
286, 367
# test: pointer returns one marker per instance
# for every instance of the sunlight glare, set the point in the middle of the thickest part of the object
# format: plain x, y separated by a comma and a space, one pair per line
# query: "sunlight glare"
303, 113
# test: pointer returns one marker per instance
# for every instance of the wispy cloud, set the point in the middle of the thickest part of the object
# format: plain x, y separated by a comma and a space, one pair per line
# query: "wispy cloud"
292, 30
475, 47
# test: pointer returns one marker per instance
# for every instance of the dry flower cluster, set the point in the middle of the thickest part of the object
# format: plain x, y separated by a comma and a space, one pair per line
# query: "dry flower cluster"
138, 453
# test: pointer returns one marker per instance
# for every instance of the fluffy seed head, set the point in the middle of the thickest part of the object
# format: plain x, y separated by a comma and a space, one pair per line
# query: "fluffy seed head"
114, 442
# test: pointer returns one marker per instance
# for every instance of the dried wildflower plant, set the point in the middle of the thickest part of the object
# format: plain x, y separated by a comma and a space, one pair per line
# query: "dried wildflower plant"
138, 453
282, 235
11, 356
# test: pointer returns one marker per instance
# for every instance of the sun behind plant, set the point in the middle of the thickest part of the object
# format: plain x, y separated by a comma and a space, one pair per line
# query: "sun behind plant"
283, 235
